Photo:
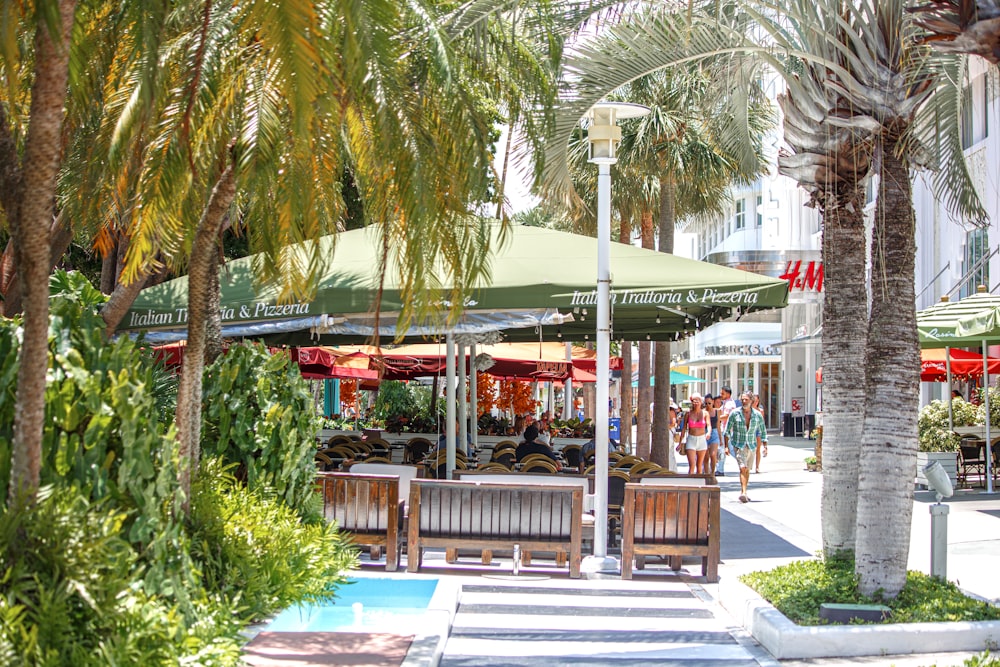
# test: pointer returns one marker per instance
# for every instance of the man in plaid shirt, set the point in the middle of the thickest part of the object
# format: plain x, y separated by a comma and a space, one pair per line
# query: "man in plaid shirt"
745, 430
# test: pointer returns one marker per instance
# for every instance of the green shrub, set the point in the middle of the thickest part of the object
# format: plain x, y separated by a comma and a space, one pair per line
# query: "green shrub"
254, 549
258, 413
932, 425
70, 595
798, 589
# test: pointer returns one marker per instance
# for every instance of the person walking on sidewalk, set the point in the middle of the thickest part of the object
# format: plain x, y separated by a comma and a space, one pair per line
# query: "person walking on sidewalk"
727, 406
745, 431
755, 404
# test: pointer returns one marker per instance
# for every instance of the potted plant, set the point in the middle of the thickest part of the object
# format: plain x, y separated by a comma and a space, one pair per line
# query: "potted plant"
817, 435
812, 464
936, 441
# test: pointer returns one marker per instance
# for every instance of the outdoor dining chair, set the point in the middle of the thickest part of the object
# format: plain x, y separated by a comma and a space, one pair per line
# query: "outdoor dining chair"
971, 459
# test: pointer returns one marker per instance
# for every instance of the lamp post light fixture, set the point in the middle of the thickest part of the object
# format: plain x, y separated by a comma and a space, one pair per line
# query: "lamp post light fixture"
604, 136
938, 480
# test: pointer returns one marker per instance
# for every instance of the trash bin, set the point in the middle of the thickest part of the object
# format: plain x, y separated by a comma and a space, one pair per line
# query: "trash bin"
615, 428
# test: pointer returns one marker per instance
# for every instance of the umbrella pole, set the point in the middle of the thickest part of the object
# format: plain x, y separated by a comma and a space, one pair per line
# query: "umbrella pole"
568, 387
474, 396
449, 427
989, 420
463, 408
951, 398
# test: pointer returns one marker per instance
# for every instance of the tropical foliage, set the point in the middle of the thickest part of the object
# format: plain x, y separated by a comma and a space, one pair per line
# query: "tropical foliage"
254, 548
101, 569
259, 415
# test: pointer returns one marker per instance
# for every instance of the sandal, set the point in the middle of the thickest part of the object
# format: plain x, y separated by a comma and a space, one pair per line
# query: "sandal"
744, 499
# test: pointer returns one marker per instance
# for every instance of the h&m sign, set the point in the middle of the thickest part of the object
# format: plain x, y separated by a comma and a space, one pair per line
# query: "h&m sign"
804, 279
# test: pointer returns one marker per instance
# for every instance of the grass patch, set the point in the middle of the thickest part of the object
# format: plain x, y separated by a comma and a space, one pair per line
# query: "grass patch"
798, 589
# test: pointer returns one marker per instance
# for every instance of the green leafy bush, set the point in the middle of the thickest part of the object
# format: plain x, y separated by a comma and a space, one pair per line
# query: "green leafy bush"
253, 548
259, 414
798, 589
932, 425
71, 597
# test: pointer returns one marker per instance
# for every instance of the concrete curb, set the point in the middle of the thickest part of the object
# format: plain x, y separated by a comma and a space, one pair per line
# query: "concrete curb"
784, 639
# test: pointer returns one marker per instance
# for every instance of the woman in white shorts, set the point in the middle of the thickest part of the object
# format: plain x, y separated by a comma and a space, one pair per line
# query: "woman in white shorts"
697, 424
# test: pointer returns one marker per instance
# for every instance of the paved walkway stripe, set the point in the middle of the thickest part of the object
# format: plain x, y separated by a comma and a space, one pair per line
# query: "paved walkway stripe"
522, 625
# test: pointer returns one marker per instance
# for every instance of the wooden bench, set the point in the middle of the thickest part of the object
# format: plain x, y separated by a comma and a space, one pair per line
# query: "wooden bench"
484, 517
367, 507
674, 521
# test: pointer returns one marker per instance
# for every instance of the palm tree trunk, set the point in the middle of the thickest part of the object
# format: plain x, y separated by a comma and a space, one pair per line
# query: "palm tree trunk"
661, 442
30, 226
213, 330
188, 415
625, 236
889, 441
643, 421
845, 306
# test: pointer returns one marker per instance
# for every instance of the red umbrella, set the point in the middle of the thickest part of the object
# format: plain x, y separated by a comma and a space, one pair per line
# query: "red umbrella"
326, 363
964, 365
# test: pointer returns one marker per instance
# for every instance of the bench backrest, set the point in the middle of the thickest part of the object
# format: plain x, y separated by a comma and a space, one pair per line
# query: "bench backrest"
406, 473
530, 478
467, 510
677, 480
656, 513
360, 503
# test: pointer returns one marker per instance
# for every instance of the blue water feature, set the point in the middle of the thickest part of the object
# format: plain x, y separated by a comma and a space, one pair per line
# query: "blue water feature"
361, 604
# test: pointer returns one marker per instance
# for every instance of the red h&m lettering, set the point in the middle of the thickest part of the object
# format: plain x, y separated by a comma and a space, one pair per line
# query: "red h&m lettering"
811, 280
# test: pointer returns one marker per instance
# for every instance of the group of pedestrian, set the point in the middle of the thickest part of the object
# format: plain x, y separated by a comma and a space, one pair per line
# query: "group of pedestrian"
714, 421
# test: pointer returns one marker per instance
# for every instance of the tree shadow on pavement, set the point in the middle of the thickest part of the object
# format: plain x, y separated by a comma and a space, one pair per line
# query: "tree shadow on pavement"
742, 539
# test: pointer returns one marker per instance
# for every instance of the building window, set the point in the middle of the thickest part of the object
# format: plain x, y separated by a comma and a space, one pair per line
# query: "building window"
760, 213
976, 266
975, 108
740, 220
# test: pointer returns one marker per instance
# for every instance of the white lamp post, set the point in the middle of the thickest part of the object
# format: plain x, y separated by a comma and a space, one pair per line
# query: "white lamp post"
604, 136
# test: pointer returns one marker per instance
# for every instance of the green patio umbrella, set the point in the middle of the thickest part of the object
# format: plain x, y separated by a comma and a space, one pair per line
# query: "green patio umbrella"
971, 322
937, 325
543, 285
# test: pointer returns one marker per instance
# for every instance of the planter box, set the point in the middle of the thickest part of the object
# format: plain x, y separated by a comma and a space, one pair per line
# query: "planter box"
786, 640
948, 461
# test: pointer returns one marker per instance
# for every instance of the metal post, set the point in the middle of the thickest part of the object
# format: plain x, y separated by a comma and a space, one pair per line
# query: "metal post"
449, 397
473, 396
989, 420
463, 408
939, 541
568, 387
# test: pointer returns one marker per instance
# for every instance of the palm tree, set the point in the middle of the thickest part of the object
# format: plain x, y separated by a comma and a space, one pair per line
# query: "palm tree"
210, 111
27, 194
867, 80
961, 26
688, 142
